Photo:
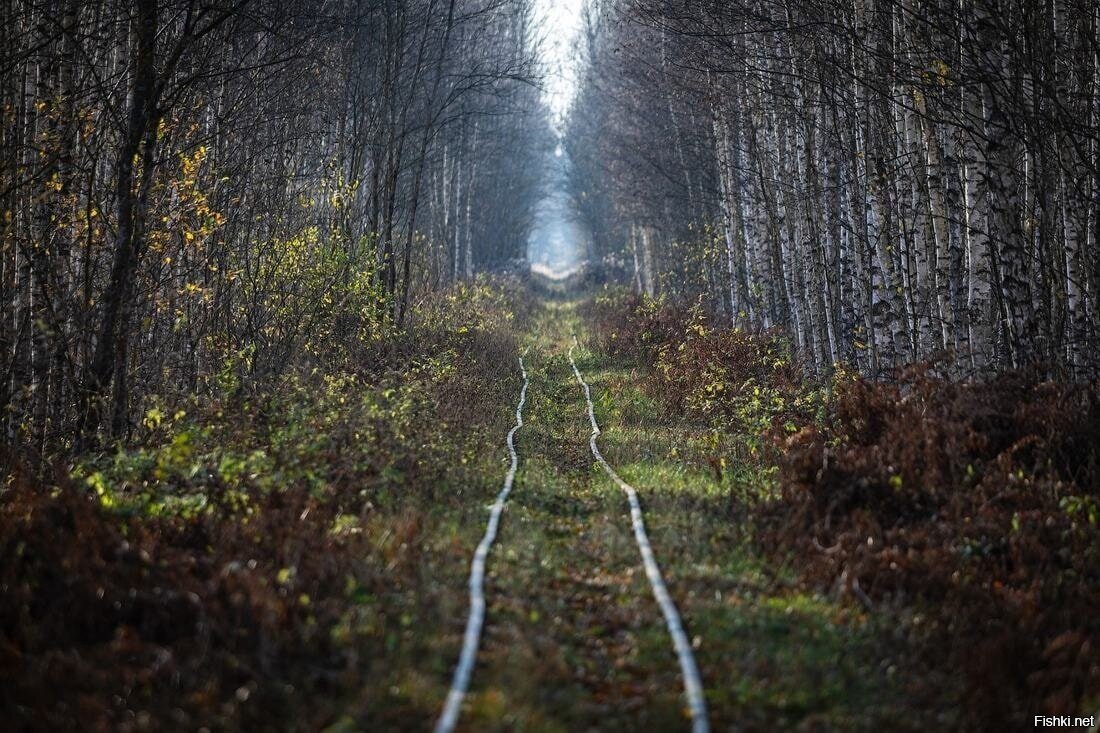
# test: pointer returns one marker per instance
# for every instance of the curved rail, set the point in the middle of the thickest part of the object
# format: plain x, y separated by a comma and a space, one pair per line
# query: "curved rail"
460, 683
693, 686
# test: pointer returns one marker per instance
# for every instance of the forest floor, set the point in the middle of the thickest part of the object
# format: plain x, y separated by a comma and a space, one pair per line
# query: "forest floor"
301, 562
575, 639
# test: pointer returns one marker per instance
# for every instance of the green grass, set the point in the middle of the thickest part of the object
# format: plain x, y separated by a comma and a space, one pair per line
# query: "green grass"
408, 463
574, 640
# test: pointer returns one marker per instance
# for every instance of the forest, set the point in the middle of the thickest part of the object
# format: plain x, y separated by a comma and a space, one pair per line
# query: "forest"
885, 181
194, 189
545, 365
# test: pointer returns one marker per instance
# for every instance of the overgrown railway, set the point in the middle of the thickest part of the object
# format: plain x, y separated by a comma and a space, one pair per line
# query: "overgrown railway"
692, 684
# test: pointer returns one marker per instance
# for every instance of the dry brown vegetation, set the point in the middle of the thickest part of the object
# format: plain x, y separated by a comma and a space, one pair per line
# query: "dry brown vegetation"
968, 510
224, 573
974, 504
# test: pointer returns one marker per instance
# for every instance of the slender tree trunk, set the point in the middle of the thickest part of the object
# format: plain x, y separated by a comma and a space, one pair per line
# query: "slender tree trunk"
130, 202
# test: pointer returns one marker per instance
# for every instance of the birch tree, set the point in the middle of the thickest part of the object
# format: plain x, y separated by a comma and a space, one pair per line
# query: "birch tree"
890, 180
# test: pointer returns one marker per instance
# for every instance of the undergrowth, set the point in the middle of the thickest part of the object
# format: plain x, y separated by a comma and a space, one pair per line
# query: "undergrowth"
739, 386
249, 559
975, 504
969, 511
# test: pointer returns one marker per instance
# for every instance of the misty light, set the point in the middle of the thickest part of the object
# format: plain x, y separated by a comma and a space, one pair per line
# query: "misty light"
558, 243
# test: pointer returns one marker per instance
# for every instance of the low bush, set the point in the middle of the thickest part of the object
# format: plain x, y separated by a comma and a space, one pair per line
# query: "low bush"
215, 571
137, 622
975, 504
738, 384
969, 510
633, 326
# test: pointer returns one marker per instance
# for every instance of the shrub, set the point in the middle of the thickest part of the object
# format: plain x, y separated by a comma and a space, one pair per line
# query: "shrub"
212, 573
633, 326
974, 503
737, 383
972, 509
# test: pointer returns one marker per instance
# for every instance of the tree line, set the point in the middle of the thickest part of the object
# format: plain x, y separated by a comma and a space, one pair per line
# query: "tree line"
196, 195
887, 180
